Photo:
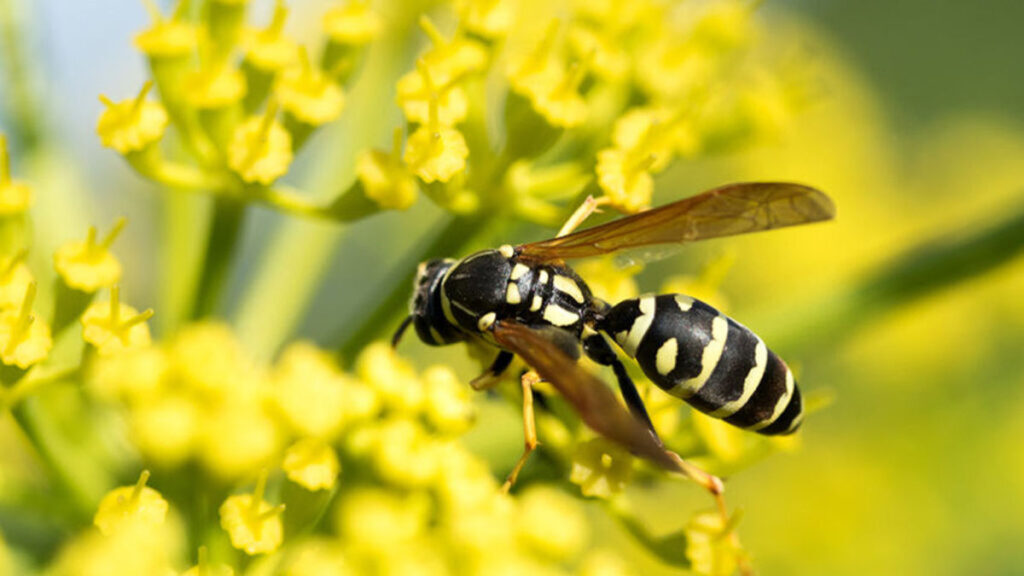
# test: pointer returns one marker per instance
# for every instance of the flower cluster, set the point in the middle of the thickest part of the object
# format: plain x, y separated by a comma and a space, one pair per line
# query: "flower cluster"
378, 450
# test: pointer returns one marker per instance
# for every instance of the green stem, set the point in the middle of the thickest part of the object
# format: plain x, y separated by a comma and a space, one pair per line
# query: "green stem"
221, 247
81, 481
459, 233
23, 116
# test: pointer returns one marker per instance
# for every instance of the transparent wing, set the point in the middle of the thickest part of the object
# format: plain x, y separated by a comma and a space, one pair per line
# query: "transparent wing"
596, 404
726, 211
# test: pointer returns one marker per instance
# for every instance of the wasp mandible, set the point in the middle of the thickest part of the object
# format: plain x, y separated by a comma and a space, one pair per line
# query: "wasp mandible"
527, 302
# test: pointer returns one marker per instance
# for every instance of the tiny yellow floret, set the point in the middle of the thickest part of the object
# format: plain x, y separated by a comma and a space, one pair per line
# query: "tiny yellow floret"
308, 95
15, 197
15, 277
353, 24
269, 49
601, 468
436, 153
115, 327
311, 392
131, 125
487, 18
384, 177
261, 149
312, 464
130, 507
167, 38
24, 337
89, 265
253, 524
625, 179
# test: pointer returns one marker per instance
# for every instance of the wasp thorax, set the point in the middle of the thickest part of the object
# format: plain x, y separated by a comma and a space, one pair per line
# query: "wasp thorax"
476, 287
427, 311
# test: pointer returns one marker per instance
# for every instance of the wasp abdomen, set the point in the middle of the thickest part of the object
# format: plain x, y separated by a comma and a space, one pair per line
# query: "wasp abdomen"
691, 350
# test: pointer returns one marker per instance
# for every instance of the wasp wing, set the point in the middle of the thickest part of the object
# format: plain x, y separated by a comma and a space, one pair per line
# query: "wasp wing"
726, 211
596, 404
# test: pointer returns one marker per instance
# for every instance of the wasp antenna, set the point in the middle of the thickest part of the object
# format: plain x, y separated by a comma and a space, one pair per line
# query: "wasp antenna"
401, 330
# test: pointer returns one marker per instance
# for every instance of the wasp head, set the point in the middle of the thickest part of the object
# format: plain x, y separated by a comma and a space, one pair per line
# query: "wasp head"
425, 311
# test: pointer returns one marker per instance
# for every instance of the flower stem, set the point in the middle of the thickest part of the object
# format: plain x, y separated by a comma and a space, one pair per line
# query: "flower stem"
222, 241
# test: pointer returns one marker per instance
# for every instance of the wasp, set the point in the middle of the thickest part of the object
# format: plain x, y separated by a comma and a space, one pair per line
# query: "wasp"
526, 301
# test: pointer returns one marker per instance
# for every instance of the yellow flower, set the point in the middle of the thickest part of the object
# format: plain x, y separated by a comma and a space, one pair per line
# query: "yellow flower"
540, 508
311, 392
416, 90
539, 72
131, 507
165, 429
449, 60
601, 468
207, 359
352, 24
710, 551
115, 327
15, 277
215, 85
253, 524
308, 95
168, 38
380, 519
404, 454
390, 377
625, 179
237, 439
487, 18
561, 105
606, 53
436, 153
449, 406
318, 556
312, 464
649, 130
269, 49
260, 149
15, 197
135, 376
24, 337
89, 266
131, 125
123, 553
385, 179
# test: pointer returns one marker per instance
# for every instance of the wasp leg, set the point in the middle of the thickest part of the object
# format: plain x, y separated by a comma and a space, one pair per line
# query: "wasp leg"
598, 350
589, 206
529, 428
492, 375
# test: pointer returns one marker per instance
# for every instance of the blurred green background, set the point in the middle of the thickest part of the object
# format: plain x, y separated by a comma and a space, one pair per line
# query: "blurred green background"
908, 311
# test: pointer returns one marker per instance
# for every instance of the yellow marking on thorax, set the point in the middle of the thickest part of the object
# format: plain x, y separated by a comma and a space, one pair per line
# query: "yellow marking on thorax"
512, 294
518, 270
536, 303
559, 316
568, 286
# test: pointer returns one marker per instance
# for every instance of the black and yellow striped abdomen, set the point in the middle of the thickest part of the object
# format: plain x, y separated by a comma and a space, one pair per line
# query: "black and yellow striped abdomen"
717, 365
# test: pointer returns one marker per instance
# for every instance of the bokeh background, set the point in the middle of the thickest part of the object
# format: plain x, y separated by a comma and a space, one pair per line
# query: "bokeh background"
907, 313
